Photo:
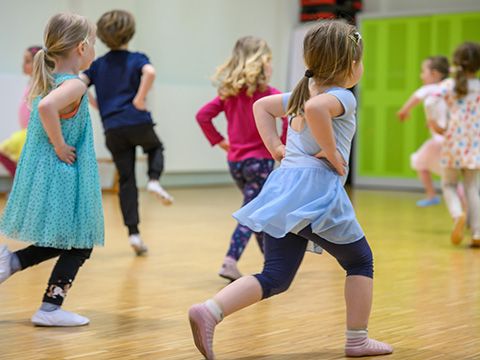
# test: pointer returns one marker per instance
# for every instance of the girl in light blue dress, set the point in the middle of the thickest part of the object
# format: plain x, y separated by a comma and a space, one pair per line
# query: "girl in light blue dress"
55, 202
304, 199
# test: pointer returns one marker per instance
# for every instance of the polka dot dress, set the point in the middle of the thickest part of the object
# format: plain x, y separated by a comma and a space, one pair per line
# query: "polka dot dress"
461, 149
53, 204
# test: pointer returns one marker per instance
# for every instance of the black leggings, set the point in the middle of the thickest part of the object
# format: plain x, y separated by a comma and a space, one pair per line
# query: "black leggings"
63, 273
284, 256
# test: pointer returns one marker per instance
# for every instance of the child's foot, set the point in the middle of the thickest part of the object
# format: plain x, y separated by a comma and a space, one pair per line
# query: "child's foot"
154, 187
5, 268
229, 269
58, 317
366, 347
458, 229
429, 201
137, 244
475, 242
203, 325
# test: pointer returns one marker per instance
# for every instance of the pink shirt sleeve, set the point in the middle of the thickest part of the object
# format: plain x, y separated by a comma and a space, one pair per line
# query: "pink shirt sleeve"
205, 118
283, 136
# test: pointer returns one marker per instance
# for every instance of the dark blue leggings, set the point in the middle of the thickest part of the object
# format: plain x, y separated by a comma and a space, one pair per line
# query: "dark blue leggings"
249, 175
284, 256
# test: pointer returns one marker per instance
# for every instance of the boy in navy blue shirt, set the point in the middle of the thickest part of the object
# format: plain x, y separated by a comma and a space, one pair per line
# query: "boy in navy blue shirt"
122, 80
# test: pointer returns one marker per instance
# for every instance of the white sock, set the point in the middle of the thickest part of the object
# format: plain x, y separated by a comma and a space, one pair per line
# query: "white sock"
355, 334
48, 307
214, 309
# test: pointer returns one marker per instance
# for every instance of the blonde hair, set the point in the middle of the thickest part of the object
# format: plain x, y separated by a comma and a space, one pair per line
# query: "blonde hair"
245, 69
116, 28
466, 59
62, 34
329, 50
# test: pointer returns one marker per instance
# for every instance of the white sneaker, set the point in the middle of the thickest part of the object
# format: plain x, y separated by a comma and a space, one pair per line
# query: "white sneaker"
229, 269
137, 244
58, 317
5, 270
154, 187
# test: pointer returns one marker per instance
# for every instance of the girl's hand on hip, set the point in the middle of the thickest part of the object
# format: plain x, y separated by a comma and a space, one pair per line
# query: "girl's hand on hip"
224, 145
66, 153
336, 161
279, 152
139, 103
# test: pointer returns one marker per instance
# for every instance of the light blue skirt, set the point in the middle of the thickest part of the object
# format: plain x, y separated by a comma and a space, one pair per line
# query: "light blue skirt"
295, 197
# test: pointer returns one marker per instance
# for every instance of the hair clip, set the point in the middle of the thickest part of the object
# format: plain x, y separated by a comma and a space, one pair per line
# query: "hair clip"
308, 73
356, 37
45, 50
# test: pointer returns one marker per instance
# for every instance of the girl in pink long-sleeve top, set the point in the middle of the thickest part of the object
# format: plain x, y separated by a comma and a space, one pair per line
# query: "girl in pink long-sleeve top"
241, 81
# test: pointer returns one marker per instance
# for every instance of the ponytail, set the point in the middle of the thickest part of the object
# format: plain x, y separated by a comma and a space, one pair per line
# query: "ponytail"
466, 60
42, 75
461, 83
299, 96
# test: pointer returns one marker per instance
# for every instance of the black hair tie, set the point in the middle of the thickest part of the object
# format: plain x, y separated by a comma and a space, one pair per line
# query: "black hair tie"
308, 73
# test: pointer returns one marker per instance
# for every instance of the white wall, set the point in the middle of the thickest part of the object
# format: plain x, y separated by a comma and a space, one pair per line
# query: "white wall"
185, 40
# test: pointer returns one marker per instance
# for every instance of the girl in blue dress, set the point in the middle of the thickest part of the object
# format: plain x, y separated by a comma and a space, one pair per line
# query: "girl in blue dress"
304, 199
55, 202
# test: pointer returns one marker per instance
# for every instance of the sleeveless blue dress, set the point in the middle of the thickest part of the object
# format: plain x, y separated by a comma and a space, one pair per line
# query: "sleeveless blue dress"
53, 204
304, 190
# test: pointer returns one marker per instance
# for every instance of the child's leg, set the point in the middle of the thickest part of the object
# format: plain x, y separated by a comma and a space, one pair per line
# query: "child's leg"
473, 199
146, 137
249, 175
61, 280
282, 259
425, 160
123, 153
426, 179
454, 204
241, 234
33, 255
119, 142
357, 260
255, 173
10, 263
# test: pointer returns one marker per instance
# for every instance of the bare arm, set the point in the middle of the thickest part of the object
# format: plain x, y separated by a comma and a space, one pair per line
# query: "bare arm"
91, 98
148, 76
404, 113
436, 110
266, 111
49, 110
319, 112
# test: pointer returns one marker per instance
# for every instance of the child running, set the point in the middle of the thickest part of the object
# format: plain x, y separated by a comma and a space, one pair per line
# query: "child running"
242, 80
56, 202
426, 160
461, 148
304, 199
122, 81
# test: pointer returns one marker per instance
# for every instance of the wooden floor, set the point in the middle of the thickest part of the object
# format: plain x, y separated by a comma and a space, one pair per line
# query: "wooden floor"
426, 303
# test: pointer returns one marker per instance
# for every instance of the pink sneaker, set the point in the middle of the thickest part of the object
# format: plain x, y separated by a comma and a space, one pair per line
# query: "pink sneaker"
203, 325
365, 346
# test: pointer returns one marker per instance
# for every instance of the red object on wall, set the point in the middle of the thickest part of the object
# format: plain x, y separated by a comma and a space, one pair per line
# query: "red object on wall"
312, 10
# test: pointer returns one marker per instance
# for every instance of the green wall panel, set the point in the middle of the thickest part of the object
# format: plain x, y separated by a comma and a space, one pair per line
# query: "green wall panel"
394, 50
